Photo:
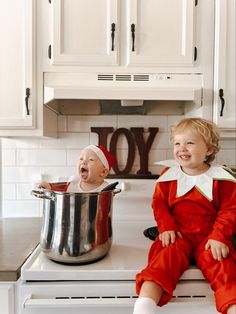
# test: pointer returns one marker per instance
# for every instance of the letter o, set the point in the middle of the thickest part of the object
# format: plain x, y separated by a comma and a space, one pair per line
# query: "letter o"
131, 149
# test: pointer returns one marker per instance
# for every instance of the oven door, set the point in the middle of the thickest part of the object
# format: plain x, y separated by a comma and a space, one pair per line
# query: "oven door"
88, 297
116, 297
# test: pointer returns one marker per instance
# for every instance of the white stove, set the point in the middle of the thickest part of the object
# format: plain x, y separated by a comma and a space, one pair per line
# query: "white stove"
108, 285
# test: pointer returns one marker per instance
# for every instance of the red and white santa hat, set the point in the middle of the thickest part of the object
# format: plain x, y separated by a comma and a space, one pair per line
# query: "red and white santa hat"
104, 155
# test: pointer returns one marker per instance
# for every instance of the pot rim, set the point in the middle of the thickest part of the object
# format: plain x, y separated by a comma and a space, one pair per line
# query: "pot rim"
51, 195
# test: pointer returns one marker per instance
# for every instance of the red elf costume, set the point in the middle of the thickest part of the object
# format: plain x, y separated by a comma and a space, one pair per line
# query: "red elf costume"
200, 207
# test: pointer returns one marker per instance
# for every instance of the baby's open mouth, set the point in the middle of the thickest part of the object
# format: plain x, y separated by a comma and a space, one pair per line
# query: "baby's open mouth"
83, 172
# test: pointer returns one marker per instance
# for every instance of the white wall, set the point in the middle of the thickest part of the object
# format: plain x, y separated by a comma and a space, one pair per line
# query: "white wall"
26, 161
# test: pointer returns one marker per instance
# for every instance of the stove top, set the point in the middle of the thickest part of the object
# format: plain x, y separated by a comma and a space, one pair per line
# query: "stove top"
126, 257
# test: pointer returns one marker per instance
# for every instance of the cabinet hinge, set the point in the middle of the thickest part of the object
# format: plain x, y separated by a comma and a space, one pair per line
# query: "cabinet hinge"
196, 2
195, 53
50, 51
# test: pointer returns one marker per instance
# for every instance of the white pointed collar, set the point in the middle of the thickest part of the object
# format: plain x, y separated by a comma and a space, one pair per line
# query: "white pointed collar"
203, 182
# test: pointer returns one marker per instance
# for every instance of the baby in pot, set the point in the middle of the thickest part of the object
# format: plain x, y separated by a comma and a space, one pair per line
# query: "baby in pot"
93, 167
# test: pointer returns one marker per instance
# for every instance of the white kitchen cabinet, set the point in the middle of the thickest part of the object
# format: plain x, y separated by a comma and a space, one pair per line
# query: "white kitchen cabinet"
21, 88
161, 32
129, 33
224, 74
82, 32
7, 298
17, 90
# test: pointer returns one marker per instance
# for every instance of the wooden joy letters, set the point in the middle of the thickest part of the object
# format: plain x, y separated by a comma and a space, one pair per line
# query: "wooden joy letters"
134, 135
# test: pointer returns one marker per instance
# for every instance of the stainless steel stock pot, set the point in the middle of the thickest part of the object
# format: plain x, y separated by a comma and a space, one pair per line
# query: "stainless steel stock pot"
76, 227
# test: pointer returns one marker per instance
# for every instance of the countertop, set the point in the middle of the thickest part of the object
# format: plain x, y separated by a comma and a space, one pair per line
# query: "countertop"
18, 239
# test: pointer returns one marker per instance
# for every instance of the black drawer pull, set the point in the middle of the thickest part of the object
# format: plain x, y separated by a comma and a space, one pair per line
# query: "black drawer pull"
113, 28
133, 36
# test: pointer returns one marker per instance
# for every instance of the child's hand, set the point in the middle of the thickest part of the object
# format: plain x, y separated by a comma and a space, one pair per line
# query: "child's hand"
168, 237
219, 250
45, 185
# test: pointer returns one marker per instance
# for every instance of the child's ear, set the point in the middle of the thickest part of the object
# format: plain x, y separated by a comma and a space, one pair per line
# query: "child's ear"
210, 151
104, 172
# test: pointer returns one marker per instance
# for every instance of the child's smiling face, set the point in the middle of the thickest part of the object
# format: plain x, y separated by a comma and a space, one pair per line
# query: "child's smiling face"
90, 167
190, 151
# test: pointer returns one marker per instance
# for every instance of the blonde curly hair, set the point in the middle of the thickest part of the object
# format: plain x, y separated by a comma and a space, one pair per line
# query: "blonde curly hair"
207, 129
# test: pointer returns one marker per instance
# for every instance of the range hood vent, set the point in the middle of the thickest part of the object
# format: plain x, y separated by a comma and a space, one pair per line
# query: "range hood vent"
123, 86
123, 77
140, 77
105, 77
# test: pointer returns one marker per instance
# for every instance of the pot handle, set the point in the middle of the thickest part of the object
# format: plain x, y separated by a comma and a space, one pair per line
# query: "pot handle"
41, 194
116, 191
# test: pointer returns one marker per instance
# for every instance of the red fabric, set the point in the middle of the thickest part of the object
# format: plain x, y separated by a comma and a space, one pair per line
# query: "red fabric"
109, 157
198, 220
59, 187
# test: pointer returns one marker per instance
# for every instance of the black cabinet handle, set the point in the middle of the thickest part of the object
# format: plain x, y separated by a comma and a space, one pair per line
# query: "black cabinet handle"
27, 94
221, 95
50, 51
133, 35
113, 28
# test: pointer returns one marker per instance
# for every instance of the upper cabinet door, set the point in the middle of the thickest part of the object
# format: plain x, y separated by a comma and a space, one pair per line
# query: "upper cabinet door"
224, 74
16, 64
161, 32
85, 32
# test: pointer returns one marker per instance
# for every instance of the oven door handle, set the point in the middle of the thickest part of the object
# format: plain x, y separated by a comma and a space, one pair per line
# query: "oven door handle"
33, 303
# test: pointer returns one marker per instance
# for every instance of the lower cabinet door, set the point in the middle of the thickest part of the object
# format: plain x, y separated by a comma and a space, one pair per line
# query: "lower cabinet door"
7, 303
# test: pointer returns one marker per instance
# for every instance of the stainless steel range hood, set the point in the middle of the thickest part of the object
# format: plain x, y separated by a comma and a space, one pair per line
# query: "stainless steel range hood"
184, 87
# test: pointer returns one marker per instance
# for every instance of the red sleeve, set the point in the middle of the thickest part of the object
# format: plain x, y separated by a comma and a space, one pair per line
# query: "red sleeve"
162, 214
225, 223
59, 187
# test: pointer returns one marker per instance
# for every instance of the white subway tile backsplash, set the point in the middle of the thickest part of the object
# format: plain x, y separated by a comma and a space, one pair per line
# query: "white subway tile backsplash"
53, 174
9, 191
227, 157
20, 143
169, 154
73, 157
93, 138
47, 157
156, 169
8, 157
20, 174
157, 155
228, 144
67, 140
23, 191
162, 141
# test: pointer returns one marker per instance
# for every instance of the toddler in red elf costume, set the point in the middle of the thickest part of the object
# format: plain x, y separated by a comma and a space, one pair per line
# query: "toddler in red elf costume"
194, 205
93, 166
